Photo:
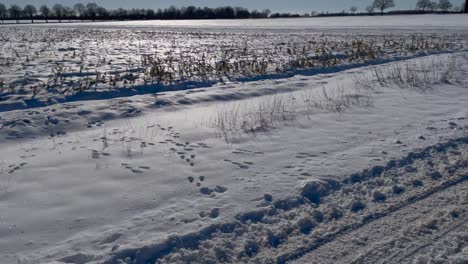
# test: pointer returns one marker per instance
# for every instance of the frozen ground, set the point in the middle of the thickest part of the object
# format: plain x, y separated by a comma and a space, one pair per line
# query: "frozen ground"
353, 164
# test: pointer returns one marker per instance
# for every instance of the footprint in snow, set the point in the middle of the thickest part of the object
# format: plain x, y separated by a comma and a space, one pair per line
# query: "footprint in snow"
203, 145
192, 180
209, 191
110, 239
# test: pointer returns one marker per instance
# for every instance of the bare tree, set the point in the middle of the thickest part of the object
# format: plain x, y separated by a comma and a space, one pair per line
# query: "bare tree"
91, 9
121, 13
433, 6
102, 12
30, 11
15, 12
266, 12
423, 4
445, 5
3, 12
59, 11
68, 13
370, 9
353, 10
465, 10
45, 12
80, 9
383, 4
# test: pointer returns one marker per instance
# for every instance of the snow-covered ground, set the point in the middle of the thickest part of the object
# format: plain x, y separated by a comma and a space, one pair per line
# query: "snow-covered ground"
258, 170
42, 66
399, 23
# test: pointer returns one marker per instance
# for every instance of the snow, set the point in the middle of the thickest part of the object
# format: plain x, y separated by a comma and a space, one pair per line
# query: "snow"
400, 23
424, 231
126, 179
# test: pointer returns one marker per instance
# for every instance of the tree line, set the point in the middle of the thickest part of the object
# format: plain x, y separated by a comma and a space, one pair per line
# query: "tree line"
422, 6
92, 12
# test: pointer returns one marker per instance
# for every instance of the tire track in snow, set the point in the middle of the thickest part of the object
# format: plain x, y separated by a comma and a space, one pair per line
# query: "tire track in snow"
289, 229
399, 237
377, 216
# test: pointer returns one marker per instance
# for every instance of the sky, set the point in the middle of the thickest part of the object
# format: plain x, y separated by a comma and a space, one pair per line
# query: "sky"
296, 6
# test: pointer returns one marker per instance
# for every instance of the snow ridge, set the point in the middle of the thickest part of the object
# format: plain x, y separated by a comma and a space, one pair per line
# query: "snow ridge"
288, 229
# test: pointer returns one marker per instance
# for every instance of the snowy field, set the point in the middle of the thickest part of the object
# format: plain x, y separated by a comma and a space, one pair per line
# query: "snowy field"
267, 141
399, 23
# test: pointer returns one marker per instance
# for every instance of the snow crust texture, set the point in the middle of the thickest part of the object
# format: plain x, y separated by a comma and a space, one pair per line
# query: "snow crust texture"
390, 213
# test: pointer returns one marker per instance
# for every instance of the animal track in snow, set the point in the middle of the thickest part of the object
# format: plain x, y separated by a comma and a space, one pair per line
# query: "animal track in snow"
136, 169
246, 152
242, 165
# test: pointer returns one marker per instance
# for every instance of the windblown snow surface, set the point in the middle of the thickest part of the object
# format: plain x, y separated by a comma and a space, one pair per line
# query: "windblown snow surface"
365, 163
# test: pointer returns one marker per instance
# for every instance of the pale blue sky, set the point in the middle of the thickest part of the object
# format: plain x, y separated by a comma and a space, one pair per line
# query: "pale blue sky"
299, 6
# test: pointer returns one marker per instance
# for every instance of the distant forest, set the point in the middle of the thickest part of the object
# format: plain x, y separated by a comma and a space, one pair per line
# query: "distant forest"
92, 12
